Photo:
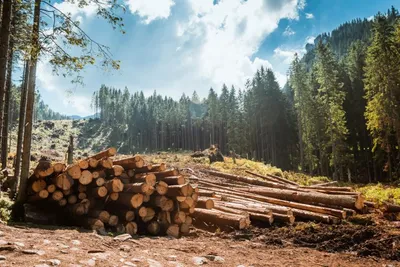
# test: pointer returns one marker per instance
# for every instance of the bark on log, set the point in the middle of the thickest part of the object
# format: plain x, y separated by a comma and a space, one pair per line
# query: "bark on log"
43, 194
203, 203
98, 192
130, 200
59, 167
207, 193
134, 162
389, 207
173, 230
166, 173
222, 219
329, 188
247, 180
265, 177
173, 180
112, 151
93, 224
137, 188
178, 190
131, 228
150, 213
158, 167
148, 178
44, 169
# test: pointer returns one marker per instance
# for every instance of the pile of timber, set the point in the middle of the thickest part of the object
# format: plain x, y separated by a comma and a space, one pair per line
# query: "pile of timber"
274, 199
124, 196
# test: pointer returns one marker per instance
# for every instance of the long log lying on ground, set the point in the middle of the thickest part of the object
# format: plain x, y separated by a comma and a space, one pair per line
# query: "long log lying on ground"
310, 197
222, 219
130, 163
329, 188
276, 201
105, 154
273, 178
247, 180
265, 177
326, 184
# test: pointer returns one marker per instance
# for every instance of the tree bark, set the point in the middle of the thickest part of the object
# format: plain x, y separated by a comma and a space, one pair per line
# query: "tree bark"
4, 52
30, 104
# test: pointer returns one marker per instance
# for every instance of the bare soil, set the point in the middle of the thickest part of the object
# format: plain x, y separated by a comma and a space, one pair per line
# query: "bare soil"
27, 245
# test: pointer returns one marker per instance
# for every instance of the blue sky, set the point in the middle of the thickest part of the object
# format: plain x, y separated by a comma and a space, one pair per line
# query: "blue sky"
178, 46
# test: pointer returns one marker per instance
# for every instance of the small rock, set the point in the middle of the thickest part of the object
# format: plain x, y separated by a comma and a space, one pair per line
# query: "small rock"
123, 254
54, 262
102, 256
33, 252
214, 258
19, 244
153, 263
74, 265
2, 258
176, 264
64, 251
172, 258
62, 246
122, 260
3, 243
88, 262
76, 242
46, 241
1, 233
199, 260
125, 248
42, 265
128, 263
123, 237
240, 266
75, 249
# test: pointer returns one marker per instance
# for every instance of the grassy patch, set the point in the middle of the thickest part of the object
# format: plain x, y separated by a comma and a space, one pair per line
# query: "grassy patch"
380, 193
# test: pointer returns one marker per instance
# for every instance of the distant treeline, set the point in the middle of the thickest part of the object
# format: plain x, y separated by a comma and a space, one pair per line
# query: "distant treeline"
338, 115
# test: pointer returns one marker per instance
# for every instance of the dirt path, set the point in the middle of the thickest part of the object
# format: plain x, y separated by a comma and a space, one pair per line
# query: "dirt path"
26, 246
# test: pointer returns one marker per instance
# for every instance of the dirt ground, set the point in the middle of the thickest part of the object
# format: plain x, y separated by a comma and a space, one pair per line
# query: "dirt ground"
24, 245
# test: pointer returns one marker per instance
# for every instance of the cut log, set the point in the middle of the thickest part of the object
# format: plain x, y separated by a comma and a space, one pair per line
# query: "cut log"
144, 169
309, 197
283, 218
63, 181
114, 185
51, 188
178, 190
74, 171
222, 219
131, 173
283, 180
247, 180
82, 196
207, 193
131, 228
98, 192
112, 151
148, 178
44, 169
93, 163
259, 209
83, 164
59, 167
67, 192
86, 177
329, 188
158, 167
371, 204
326, 184
173, 230
178, 217
167, 173
57, 195
113, 220
38, 185
130, 200
150, 213
275, 201
62, 202
106, 163
124, 214
82, 188
134, 162
189, 220
313, 216
161, 188
120, 228
146, 197
94, 224
153, 228
389, 207
137, 188
118, 170
184, 229
114, 196
173, 180
72, 199
204, 203
100, 181
265, 177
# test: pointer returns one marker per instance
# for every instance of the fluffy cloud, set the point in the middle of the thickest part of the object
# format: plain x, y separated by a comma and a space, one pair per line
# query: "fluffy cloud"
288, 54
75, 11
310, 40
288, 31
309, 16
151, 10
231, 32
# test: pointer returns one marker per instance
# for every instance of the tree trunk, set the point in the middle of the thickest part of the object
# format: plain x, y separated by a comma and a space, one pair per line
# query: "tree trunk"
21, 123
70, 149
4, 52
4, 140
30, 104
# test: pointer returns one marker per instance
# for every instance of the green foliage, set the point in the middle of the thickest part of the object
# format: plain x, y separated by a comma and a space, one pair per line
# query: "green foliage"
380, 193
5, 209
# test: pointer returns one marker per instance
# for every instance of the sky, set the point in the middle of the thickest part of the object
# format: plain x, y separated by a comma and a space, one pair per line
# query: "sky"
181, 46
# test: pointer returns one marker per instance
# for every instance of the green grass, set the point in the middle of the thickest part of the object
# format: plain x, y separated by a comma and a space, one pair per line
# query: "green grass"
380, 193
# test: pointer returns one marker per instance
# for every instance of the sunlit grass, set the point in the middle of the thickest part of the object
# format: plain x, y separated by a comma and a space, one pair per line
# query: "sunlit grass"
380, 193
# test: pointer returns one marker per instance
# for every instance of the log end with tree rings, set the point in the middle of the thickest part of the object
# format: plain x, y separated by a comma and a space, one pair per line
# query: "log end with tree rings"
113, 220
86, 177
74, 171
131, 228
83, 164
153, 228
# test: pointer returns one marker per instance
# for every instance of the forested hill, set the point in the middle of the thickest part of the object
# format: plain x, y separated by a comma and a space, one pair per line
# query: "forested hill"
333, 118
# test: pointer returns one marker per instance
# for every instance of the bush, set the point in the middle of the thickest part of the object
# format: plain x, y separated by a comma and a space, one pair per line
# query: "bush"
5, 209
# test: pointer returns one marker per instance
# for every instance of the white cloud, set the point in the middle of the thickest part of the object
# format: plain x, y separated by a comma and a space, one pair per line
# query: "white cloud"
370, 18
309, 16
78, 104
75, 11
230, 33
151, 10
288, 54
310, 40
288, 31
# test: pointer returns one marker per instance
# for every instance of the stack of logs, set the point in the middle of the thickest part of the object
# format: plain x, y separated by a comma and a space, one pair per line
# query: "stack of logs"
125, 196
237, 201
